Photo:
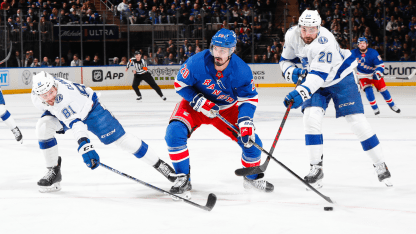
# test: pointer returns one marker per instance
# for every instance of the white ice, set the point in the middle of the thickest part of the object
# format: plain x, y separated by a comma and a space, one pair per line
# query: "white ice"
101, 201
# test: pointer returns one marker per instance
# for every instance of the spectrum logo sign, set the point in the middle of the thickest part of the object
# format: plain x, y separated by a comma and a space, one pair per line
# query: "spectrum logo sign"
4, 78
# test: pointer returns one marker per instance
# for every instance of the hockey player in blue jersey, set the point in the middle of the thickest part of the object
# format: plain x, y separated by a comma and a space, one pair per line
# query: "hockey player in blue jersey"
329, 76
210, 82
8, 120
370, 72
67, 105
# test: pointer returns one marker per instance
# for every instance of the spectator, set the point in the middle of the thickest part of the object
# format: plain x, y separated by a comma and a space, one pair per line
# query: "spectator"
74, 18
87, 61
94, 19
35, 63
264, 59
197, 49
293, 22
412, 33
15, 60
190, 52
63, 62
269, 53
169, 60
116, 61
123, 61
96, 61
257, 58
257, 28
76, 62
122, 8
45, 62
64, 19
56, 63
54, 16
27, 61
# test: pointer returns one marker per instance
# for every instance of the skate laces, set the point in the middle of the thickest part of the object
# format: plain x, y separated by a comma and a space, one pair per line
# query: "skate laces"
260, 184
16, 132
314, 170
180, 181
380, 168
51, 173
164, 169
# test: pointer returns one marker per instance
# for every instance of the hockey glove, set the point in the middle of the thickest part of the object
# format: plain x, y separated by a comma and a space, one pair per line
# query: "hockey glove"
86, 149
205, 106
299, 95
377, 75
247, 134
293, 74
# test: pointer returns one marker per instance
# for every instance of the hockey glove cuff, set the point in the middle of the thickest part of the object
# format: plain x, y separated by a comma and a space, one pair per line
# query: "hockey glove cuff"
293, 74
247, 128
299, 95
205, 106
86, 149
377, 75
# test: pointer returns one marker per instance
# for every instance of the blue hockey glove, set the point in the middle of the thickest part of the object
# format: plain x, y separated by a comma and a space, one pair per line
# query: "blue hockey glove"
205, 106
86, 149
293, 74
299, 95
377, 75
246, 126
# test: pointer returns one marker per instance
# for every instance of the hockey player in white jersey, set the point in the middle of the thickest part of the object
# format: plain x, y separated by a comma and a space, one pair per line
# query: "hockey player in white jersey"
67, 105
9, 120
329, 76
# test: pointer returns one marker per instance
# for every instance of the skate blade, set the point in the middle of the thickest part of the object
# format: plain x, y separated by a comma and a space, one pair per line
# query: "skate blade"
49, 189
186, 195
317, 185
387, 182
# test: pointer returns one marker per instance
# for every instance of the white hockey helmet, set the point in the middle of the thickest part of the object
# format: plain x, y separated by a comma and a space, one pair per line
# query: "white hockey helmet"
43, 82
310, 18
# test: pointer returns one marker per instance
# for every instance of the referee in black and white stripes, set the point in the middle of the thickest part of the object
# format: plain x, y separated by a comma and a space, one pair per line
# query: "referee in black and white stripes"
141, 73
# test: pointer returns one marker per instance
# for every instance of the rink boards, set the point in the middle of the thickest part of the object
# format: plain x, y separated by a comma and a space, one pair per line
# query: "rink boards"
19, 80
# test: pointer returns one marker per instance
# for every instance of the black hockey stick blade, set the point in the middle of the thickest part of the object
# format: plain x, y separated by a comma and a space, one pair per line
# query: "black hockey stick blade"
212, 198
253, 170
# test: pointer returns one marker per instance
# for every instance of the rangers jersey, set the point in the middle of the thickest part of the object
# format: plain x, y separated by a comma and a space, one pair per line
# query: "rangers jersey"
368, 62
233, 85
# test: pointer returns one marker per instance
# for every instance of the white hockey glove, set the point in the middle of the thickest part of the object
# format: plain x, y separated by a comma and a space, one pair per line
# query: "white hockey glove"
247, 128
377, 75
205, 106
293, 74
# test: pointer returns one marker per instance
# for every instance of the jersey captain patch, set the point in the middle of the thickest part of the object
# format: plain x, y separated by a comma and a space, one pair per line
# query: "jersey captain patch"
322, 40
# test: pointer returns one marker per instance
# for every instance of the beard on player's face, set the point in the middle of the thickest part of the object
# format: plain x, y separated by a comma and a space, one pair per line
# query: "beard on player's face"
362, 47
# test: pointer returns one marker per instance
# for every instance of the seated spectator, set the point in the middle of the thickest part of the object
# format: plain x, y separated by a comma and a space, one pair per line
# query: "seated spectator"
54, 16
76, 62
123, 61
87, 61
190, 52
163, 16
32, 15
257, 28
35, 63
412, 33
74, 18
28, 60
276, 58
197, 49
142, 14
264, 59
95, 19
96, 61
63, 62
116, 61
257, 58
56, 63
64, 19
169, 60
45, 62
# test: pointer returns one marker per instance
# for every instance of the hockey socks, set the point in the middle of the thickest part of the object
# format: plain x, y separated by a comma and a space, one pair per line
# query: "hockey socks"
176, 139
387, 97
371, 98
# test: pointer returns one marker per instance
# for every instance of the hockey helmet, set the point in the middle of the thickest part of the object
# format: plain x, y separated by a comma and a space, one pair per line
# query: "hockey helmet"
224, 38
310, 18
43, 82
362, 39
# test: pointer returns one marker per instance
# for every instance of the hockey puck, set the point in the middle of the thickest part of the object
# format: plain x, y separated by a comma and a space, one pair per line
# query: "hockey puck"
328, 208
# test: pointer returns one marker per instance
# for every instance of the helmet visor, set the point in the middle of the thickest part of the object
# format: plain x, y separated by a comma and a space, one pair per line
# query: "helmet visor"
309, 30
220, 51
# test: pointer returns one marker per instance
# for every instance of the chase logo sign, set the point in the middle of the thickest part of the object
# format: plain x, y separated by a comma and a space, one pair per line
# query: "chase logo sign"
4, 78
322, 40
97, 75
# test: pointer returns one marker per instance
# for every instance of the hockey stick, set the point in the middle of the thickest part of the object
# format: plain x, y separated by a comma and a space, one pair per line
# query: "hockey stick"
8, 55
262, 168
328, 199
212, 199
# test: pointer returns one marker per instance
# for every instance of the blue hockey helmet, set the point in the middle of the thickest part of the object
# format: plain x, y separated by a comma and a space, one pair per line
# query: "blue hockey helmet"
224, 38
362, 39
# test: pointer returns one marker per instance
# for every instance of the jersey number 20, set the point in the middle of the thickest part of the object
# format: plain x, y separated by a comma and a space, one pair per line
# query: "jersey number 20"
322, 57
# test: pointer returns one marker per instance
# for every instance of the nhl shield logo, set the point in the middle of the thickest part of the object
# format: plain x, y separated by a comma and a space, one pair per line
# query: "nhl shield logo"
97, 75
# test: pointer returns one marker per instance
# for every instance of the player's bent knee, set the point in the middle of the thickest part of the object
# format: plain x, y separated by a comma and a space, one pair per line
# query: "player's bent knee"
129, 143
360, 126
176, 134
2, 109
47, 126
312, 120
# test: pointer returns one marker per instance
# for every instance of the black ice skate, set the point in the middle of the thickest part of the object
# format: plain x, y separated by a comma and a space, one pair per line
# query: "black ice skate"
315, 176
182, 186
50, 182
258, 184
383, 174
18, 135
139, 99
166, 170
395, 109
376, 111
163, 98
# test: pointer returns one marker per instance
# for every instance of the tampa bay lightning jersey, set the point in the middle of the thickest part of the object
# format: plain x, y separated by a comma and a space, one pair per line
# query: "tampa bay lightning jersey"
368, 62
322, 57
73, 102
233, 85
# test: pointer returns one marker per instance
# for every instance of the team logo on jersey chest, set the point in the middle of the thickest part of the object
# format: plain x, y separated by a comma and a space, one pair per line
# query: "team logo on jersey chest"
322, 40
59, 98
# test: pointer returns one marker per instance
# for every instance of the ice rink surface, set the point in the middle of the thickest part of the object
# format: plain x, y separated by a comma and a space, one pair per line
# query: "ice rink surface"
100, 201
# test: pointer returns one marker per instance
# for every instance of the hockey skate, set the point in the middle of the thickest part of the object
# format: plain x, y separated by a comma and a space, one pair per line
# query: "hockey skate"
163, 98
182, 187
18, 135
50, 182
258, 184
315, 176
139, 99
166, 170
383, 174
395, 109
376, 111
